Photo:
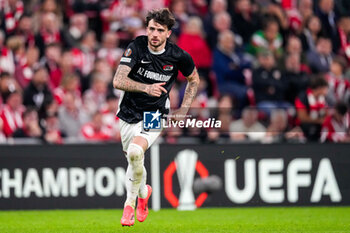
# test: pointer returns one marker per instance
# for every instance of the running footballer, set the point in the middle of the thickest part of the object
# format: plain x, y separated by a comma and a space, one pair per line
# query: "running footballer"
146, 73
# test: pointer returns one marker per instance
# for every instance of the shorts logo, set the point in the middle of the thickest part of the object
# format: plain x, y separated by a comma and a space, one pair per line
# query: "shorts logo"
151, 120
168, 67
128, 52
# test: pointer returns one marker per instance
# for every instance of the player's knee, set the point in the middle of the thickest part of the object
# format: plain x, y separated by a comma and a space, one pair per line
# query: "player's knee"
135, 154
138, 172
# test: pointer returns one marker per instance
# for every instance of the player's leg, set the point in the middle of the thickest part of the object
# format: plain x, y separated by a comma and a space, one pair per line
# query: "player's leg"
134, 177
134, 154
135, 170
145, 190
133, 181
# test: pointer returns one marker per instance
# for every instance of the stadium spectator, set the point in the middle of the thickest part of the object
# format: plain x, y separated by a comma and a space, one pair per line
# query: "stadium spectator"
192, 41
336, 127
224, 114
225, 110
181, 14
342, 45
30, 127
23, 72
2, 135
102, 67
296, 77
25, 69
298, 13
51, 61
25, 29
198, 7
92, 9
11, 13
110, 50
52, 132
275, 11
123, 17
224, 130
306, 9
37, 93
216, 7
339, 87
94, 97
49, 6
343, 6
95, 130
28, 33
267, 39
148, 5
51, 108
294, 45
84, 57
328, 15
311, 108
221, 22
320, 59
66, 63
247, 128
228, 66
7, 84
269, 84
71, 116
49, 32
78, 26
245, 20
109, 118
69, 83
311, 33
7, 62
11, 113
277, 127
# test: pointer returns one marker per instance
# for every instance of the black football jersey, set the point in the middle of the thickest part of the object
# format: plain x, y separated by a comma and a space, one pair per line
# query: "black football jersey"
149, 67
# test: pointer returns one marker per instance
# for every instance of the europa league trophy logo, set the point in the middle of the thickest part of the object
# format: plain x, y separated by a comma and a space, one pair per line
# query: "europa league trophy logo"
186, 167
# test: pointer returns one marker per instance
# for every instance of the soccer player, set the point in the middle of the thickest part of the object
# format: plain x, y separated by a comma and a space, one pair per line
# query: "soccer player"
146, 73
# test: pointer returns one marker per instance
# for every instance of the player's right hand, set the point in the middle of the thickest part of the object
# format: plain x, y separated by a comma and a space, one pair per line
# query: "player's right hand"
156, 89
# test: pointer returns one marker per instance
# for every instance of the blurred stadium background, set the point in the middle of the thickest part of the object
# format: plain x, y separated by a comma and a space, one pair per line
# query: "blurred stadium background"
275, 72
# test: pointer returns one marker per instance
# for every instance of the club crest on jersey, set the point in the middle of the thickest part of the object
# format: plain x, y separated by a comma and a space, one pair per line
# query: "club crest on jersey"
128, 52
168, 67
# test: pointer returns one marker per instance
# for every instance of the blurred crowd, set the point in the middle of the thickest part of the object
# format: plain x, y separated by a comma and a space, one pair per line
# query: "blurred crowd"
271, 70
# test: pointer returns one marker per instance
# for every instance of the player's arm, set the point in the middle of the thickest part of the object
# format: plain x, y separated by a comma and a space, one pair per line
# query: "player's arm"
191, 89
123, 82
190, 94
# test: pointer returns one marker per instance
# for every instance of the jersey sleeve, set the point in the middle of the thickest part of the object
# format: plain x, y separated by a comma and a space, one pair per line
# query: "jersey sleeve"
130, 55
186, 64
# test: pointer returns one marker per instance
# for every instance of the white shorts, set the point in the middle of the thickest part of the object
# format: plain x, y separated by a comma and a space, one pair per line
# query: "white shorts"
129, 131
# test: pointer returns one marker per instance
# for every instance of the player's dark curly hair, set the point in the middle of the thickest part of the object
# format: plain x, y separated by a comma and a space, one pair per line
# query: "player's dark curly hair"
162, 16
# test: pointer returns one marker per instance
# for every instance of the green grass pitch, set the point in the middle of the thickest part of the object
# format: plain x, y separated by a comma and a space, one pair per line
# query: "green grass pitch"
289, 219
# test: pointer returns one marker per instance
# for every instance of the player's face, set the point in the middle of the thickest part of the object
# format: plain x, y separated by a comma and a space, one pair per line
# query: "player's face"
157, 35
